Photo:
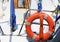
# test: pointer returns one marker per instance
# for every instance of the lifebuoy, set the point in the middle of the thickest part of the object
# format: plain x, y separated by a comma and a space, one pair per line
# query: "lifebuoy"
40, 16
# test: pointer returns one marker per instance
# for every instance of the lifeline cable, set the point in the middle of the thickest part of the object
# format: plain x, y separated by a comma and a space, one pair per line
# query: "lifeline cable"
23, 23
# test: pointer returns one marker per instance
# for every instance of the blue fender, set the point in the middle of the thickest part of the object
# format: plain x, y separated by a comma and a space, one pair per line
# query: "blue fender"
12, 15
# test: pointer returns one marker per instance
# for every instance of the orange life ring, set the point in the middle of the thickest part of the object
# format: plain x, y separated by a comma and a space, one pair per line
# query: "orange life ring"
39, 16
